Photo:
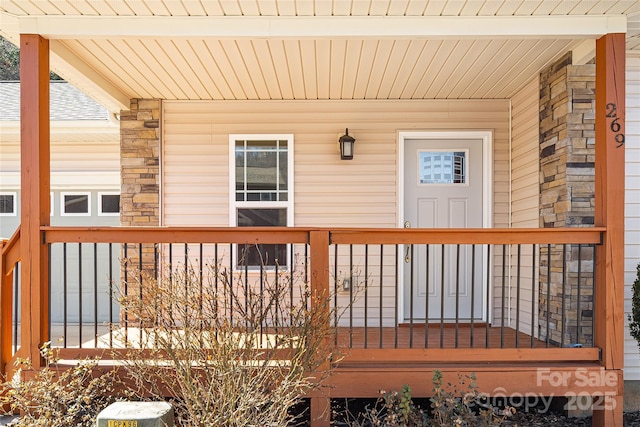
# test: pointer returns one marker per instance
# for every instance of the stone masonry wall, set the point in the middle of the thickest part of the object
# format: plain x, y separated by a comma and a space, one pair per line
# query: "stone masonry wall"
567, 154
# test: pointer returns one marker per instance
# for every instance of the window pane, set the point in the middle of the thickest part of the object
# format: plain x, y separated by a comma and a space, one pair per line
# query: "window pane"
442, 167
7, 204
110, 203
262, 255
76, 203
262, 171
239, 170
284, 172
262, 144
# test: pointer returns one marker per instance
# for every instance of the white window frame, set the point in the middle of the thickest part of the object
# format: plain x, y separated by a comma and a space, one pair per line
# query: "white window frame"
15, 203
75, 193
235, 205
106, 193
51, 203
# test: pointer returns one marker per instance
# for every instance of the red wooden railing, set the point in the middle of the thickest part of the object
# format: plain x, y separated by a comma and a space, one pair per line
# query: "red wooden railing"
320, 244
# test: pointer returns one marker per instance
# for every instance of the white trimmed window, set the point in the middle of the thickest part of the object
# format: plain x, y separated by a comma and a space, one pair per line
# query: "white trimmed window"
261, 190
51, 204
8, 202
108, 204
75, 204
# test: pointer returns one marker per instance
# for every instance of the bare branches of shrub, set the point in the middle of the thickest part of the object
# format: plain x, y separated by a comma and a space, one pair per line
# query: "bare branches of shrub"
232, 348
57, 396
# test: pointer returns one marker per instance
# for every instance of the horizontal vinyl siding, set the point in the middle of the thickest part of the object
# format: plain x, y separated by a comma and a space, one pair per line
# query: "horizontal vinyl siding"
524, 195
328, 191
80, 163
632, 208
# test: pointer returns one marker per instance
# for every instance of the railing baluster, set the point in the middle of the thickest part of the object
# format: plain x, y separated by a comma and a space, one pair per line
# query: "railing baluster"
230, 290
426, 298
110, 284
335, 291
95, 295
473, 294
366, 294
16, 305
411, 291
49, 291
518, 298
548, 339
395, 296
79, 295
64, 295
488, 301
595, 283
126, 290
578, 302
140, 284
350, 296
503, 293
381, 294
457, 294
564, 294
533, 294
442, 289
277, 286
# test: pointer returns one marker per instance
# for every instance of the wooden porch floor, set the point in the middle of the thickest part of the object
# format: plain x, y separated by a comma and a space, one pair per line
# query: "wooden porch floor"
403, 336
433, 336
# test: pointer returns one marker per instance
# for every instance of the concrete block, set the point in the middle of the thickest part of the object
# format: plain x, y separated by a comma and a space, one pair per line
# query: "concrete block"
632, 395
136, 414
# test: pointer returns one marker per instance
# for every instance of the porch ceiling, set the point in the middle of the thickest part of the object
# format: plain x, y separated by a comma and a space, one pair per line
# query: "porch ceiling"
115, 50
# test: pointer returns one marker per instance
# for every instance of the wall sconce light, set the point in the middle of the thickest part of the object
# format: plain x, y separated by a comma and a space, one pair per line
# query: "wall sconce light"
347, 143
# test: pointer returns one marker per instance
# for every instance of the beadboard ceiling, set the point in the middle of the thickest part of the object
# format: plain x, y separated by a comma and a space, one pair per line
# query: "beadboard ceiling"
115, 50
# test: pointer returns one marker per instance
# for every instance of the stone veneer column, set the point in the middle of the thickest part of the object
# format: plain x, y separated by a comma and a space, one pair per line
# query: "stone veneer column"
140, 194
567, 153
140, 164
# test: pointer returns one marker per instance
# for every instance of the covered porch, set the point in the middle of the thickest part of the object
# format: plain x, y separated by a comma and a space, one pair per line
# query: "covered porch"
393, 322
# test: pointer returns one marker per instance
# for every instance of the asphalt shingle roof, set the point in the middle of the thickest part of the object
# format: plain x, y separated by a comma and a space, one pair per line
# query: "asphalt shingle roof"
66, 103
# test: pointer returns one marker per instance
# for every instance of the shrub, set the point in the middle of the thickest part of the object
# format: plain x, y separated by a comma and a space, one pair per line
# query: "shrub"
452, 406
230, 348
459, 405
58, 396
634, 317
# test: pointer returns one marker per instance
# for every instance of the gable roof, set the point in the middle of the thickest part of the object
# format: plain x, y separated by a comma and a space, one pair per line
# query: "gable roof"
302, 49
66, 103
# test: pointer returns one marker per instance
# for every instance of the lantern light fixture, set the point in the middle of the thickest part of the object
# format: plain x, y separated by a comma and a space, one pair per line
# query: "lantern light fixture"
347, 143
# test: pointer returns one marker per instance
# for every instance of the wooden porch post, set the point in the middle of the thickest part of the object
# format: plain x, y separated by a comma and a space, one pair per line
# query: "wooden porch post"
34, 187
319, 260
609, 213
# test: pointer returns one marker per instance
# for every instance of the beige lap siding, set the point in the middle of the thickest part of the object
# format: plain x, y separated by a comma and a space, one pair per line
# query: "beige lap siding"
329, 192
525, 195
632, 208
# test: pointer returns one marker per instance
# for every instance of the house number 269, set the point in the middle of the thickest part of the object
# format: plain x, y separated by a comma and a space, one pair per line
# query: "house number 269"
615, 126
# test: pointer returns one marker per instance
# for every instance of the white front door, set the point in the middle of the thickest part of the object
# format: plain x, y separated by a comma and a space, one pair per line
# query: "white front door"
443, 188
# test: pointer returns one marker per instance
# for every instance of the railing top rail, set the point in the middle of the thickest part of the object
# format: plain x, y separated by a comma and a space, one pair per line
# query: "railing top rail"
252, 235
248, 235
11, 249
591, 235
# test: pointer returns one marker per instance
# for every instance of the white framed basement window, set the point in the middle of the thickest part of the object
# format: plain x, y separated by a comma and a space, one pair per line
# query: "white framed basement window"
108, 203
75, 204
8, 200
261, 193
